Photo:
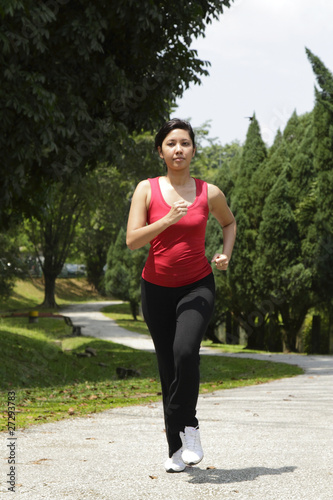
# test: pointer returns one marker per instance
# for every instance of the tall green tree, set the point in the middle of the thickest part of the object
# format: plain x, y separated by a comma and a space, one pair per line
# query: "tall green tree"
279, 272
248, 218
323, 162
77, 77
220, 166
101, 220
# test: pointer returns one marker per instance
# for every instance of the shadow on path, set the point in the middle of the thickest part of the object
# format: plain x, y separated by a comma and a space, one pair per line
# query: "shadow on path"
224, 476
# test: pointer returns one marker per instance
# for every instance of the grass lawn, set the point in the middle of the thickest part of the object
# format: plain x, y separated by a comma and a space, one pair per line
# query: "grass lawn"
40, 363
28, 294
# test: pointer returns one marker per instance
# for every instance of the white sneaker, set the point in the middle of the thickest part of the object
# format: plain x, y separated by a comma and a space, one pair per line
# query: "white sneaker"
175, 463
192, 450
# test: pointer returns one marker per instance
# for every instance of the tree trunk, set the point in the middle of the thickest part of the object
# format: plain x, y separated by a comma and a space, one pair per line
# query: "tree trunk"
228, 328
134, 306
315, 334
235, 331
330, 327
210, 334
292, 322
256, 338
273, 340
288, 335
49, 291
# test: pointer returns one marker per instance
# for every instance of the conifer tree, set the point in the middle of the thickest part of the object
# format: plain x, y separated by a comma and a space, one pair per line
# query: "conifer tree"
279, 272
323, 163
248, 219
223, 172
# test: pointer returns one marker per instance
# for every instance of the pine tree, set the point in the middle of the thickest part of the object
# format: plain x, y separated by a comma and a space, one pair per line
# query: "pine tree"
280, 275
323, 163
225, 168
248, 218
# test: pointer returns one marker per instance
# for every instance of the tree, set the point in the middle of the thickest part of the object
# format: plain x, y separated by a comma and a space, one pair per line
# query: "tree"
77, 77
52, 232
101, 220
220, 164
124, 270
248, 215
279, 272
110, 199
323, 163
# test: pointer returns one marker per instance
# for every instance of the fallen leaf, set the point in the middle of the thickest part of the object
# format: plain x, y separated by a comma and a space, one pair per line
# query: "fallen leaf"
38, 462
210, 467
71, 411
153, 477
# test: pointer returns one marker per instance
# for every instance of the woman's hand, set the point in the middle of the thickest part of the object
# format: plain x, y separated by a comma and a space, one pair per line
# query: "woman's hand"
177, 211
139, 233
221, 261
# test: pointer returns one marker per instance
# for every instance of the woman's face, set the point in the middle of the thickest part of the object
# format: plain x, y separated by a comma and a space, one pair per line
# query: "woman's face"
177, 149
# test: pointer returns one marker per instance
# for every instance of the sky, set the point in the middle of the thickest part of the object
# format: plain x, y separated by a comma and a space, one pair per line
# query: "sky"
258, 65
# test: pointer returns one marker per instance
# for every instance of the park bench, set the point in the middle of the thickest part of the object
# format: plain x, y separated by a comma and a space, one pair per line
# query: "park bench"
76, 330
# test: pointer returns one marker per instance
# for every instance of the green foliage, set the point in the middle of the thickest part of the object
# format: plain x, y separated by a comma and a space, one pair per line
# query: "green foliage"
125, 266
222, 173
76, 80
101, 219
279, 267
11, 265
323, 163
52, 231
247, 212
109, 201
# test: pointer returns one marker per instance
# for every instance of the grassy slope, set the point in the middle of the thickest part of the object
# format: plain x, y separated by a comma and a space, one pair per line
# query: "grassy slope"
29, 294
40, 363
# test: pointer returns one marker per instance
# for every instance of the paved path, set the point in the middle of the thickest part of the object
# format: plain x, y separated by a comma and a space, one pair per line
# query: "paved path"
267, 442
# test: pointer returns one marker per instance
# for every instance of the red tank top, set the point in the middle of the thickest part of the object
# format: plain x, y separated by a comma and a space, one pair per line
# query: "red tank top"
177, 255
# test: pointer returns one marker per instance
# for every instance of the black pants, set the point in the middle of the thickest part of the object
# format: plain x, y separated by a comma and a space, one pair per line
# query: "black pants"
177, 319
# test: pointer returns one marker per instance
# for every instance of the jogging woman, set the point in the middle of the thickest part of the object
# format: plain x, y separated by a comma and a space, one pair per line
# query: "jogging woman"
177, 286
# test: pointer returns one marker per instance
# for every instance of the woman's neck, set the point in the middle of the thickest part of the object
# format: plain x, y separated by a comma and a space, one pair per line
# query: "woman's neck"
178, 178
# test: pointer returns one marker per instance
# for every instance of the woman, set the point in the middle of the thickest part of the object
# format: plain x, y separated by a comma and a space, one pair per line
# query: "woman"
177, 286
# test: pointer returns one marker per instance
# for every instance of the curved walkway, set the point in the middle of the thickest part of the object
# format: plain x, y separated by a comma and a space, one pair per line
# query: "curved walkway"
267, 442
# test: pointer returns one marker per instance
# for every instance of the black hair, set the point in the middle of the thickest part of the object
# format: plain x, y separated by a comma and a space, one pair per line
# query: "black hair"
172, 125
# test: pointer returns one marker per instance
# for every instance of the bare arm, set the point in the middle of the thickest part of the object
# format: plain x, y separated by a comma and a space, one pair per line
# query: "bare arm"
219, 209
138, 232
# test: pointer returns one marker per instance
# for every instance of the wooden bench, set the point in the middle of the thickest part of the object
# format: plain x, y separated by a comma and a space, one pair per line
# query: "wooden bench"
76, 330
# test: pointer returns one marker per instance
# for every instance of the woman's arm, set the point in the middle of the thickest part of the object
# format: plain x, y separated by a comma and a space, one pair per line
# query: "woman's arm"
138, 232
219, 208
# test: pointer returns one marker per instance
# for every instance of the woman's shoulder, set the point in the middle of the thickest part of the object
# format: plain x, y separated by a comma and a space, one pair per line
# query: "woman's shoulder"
213, 190
146, 183
214, 195
143, 192
143, 185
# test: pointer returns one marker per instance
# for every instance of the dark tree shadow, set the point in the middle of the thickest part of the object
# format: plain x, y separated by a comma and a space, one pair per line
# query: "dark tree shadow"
224, 476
